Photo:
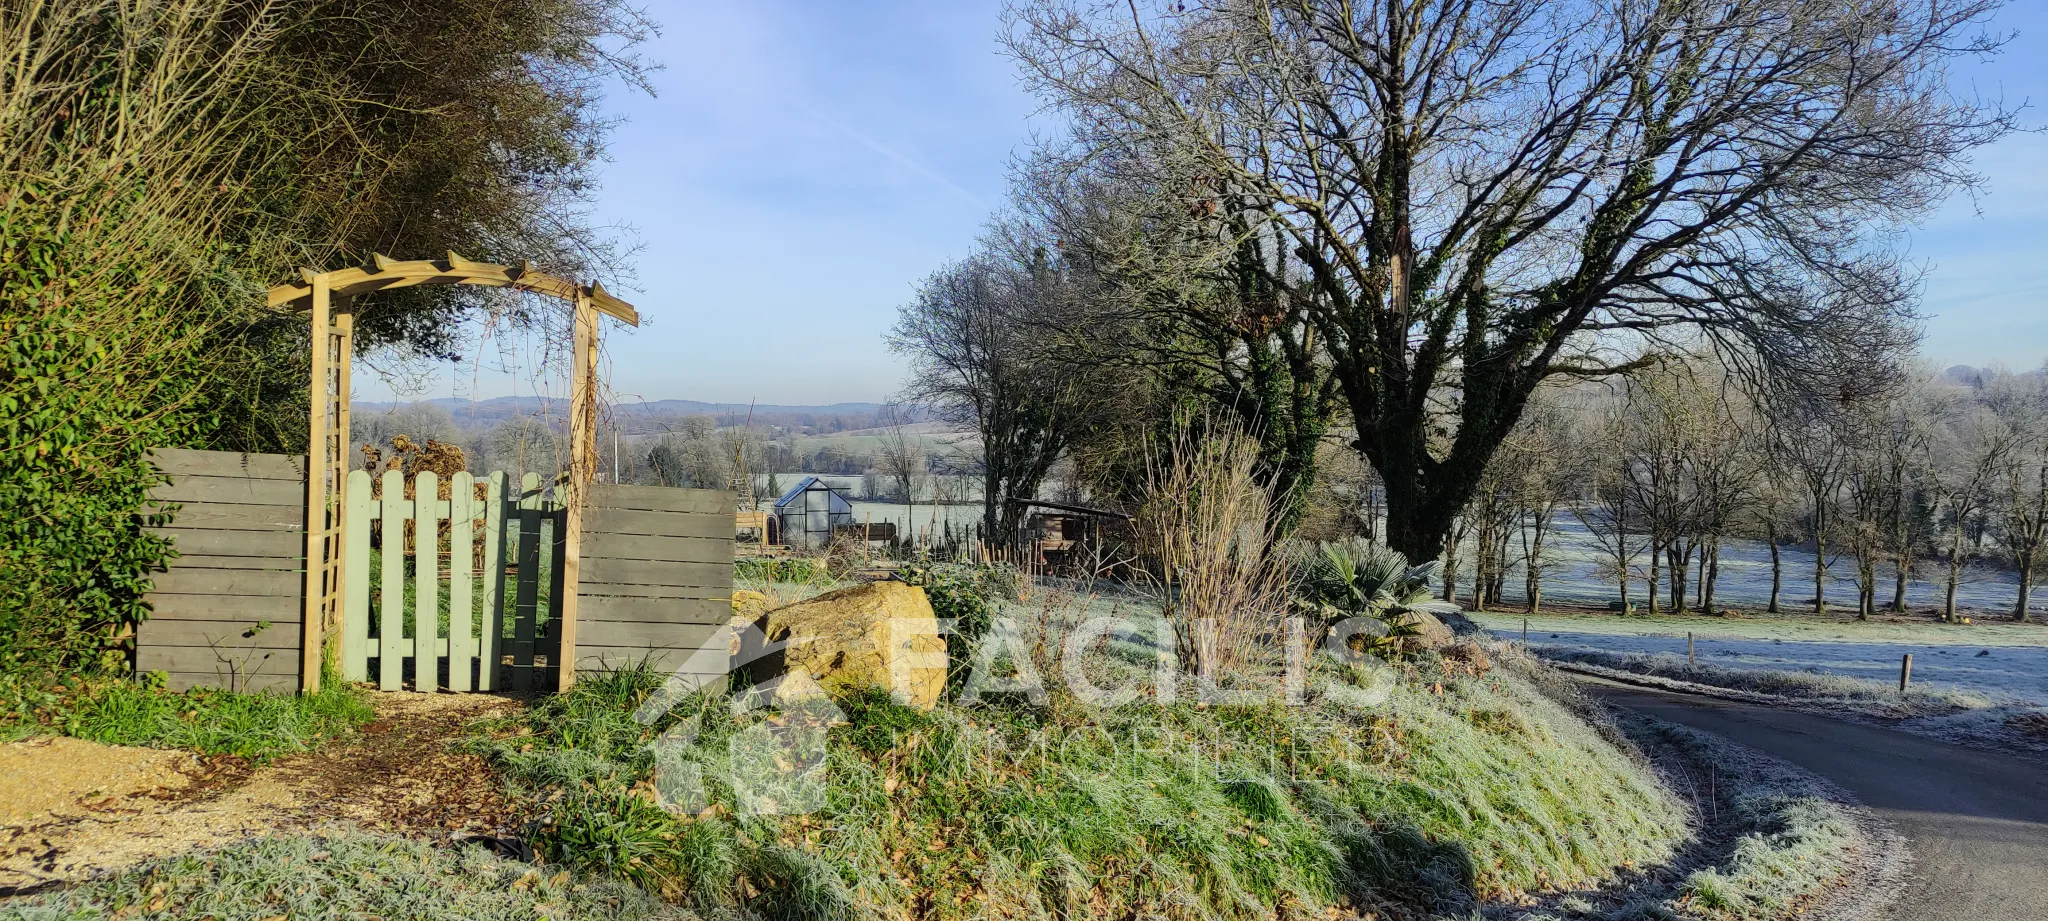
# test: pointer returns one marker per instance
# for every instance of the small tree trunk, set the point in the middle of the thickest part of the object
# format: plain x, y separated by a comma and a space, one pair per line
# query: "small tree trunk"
1711, 576
1866, 585
991, 500
2019, 605
1699, 591
1680, 565
1777, 574
1451, 573
1820, 574
1955, 576
1650, 584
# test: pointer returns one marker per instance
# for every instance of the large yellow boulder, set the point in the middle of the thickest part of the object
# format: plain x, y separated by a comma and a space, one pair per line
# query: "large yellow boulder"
878, 634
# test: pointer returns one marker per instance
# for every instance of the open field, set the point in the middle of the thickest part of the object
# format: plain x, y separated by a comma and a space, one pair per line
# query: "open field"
2008, 661
1801, 627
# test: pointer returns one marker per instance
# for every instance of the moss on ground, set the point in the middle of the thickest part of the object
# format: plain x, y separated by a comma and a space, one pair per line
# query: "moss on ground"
1458, 788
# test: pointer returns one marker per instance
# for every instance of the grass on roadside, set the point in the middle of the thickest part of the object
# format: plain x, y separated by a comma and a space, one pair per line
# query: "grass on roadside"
1458, 788
1794, 838
1782, 841
345, 876
119, 711
1871, 696
1792, 627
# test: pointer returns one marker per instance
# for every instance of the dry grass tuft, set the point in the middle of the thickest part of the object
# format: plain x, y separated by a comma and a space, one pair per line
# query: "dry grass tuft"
1205, 531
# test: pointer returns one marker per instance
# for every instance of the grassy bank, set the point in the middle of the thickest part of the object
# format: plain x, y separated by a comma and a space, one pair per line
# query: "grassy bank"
343, 876
119, 711
1459, 788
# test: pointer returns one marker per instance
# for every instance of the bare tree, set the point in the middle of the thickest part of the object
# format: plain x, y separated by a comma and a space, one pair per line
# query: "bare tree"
1810, 447
1660, 432
2022, 485
1488, 195
1493, 514
972, 360
901, 457
1966, 476
1198, 306
1546, 477
1727, 473
695, 453
1607, 512
1871, 493
2025, 507
1771, 517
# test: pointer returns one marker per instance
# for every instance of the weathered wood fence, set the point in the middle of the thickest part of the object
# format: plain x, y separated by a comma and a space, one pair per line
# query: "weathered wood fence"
656, 580
227, 612
447, 570
456, 585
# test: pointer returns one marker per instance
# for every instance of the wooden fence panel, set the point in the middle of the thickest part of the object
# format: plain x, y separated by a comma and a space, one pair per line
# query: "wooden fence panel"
461, 555
392, 510
656, 582
355, 595
492, 631
227, 613
426, 565
549, 643
526, 600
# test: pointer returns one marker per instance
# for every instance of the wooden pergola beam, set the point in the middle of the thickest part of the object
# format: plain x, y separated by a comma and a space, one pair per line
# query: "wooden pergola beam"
385, 272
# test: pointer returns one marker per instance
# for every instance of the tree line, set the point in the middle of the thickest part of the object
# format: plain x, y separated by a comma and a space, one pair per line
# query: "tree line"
1664, 468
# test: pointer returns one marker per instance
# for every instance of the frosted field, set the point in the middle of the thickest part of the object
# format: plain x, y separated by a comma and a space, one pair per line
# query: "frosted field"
2001, 664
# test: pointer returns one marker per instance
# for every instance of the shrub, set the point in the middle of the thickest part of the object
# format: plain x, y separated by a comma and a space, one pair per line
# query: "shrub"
789, 570
967, 593
1207, 532
79, 410
1357, 578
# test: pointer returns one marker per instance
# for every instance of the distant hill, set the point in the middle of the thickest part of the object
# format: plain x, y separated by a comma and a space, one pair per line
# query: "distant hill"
833, 417
1968, 376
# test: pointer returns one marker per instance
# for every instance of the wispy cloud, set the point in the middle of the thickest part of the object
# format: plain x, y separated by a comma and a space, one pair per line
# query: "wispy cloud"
901, 158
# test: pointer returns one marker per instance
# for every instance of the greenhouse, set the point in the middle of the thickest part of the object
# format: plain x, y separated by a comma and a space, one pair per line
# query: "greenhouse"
810, 511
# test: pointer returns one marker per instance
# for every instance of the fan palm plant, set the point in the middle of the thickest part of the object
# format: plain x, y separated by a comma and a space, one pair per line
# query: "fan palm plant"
1355, 578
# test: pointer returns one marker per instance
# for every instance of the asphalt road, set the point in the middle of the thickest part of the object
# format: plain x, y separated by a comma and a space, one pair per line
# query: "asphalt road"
1976, 822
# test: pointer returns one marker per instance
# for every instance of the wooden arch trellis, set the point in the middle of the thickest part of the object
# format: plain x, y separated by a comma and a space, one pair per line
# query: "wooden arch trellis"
330, 298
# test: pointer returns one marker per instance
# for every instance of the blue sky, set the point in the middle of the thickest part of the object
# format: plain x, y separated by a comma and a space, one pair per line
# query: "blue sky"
803, 165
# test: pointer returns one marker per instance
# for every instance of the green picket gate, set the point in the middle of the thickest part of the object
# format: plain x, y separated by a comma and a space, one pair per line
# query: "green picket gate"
464, 597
